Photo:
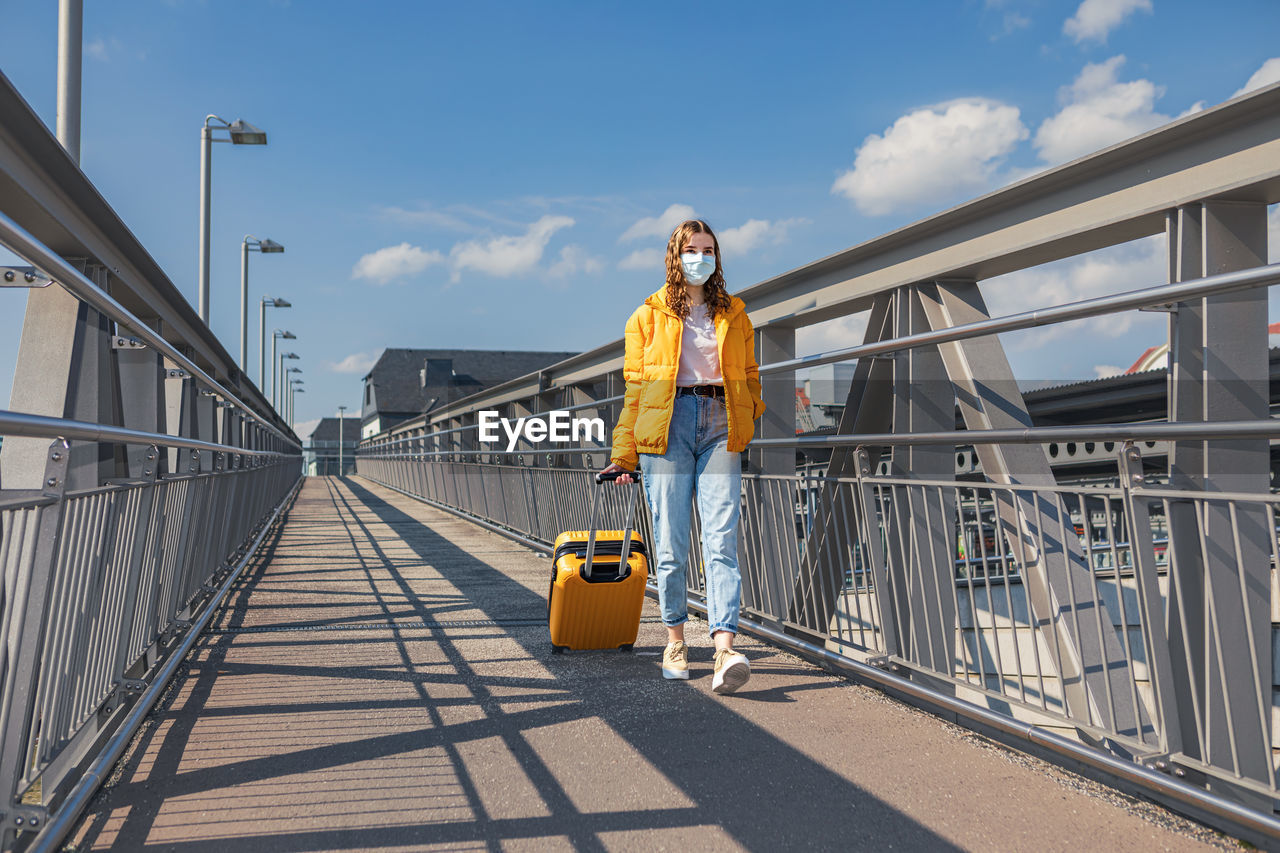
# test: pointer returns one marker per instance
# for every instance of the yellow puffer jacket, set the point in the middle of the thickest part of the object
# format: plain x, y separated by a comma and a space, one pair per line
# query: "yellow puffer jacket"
652, 359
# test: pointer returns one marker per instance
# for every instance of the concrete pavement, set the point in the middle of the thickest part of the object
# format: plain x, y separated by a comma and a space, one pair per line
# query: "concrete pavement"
382, 680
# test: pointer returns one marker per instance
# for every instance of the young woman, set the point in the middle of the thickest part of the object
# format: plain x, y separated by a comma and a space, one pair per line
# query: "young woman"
693, 394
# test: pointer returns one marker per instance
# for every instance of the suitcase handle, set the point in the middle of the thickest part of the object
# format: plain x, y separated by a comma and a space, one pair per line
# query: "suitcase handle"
601, 478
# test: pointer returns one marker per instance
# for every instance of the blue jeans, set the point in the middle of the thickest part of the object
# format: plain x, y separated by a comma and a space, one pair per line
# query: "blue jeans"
698, 462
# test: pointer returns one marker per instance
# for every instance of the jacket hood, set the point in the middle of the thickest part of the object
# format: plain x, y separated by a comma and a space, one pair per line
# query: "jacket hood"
658, 300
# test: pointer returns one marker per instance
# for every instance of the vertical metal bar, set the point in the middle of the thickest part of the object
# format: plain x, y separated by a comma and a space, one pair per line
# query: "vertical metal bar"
32, 590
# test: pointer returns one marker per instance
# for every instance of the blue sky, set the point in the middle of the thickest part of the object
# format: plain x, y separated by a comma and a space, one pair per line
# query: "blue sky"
503, 175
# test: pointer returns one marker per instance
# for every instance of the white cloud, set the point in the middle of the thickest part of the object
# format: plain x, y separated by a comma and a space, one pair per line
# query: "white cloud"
652, 260
931, 154
1012, 23
96, 48
507, 256
393, 262
830, 335
1098, 110
1130, 266
755, 233
660, 226
1266, 75
1095, 19
573, 260
428, 217
1102, 371
358, 362
304, 429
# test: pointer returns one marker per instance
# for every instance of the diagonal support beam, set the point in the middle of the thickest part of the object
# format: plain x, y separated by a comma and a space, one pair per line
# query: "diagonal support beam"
1092, 663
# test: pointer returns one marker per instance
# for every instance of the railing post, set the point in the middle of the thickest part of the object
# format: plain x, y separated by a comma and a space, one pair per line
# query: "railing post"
31, 588
772, 589
1219, 595
921, 535
1137, 512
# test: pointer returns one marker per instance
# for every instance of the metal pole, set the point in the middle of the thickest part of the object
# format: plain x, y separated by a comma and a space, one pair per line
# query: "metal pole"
341, 421
275, 404
70, 45
262, 344
244, 303
206, 146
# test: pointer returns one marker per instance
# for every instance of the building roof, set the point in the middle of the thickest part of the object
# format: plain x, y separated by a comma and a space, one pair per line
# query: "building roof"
401, 388
327, 430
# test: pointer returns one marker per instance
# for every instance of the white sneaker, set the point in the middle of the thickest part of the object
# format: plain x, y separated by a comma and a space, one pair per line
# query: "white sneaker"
675, 661
732, 671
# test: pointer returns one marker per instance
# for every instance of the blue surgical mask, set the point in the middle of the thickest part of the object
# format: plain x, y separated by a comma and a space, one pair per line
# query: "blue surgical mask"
697, 268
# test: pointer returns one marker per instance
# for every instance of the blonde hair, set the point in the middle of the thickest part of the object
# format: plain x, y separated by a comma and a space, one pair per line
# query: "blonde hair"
677, 298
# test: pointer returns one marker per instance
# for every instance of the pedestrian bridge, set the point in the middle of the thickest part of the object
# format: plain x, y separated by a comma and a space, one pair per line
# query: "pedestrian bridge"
381, 678
204, 650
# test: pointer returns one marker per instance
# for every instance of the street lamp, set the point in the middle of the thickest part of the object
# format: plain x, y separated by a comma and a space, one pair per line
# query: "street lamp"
288, 404
267, 302
294, 387
279, 403
341, 421
239, 132
266, 247
277, 334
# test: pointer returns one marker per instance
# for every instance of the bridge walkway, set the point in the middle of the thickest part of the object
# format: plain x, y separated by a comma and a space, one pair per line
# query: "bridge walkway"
381, 680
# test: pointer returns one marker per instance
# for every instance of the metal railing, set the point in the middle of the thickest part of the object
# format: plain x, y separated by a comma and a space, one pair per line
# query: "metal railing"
139, 473
1126, 624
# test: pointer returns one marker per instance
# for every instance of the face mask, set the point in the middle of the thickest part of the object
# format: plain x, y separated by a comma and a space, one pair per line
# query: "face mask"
697, 269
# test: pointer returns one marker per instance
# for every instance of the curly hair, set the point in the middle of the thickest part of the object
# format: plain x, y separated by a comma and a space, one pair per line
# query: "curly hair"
677, 298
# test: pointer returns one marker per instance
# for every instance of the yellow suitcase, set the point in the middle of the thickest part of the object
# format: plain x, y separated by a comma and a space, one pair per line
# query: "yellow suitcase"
598, 579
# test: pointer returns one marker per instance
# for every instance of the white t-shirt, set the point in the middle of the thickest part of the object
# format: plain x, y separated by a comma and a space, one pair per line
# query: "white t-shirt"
699, 360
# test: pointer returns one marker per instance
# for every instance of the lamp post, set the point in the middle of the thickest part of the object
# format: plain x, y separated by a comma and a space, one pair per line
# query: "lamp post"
288, 402
239, 132
277, 334
266, 247
341, 422
279, 403
70, 50
293, 388
267, 302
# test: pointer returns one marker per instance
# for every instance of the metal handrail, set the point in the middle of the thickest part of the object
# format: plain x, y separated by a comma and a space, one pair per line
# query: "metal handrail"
23, 243
41, 426
594, 404
1194, 431
1189, 431
1147, 297
1143, 298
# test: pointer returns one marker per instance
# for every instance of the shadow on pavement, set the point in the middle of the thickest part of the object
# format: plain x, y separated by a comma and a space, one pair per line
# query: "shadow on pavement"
611, 756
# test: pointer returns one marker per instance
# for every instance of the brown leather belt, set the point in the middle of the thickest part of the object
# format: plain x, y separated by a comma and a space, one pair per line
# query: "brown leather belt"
701, 390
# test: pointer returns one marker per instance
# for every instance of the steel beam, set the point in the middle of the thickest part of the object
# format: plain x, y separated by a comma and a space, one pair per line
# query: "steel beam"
1091, 661
1219, 598
63, 370
868, 409
924, 583
141, 372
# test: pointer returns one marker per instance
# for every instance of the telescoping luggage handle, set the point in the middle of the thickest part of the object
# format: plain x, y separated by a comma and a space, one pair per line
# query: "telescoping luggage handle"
631, 516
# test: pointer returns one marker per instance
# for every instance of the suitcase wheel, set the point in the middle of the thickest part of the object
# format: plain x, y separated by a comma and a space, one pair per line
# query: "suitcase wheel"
625, 647
557, 650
